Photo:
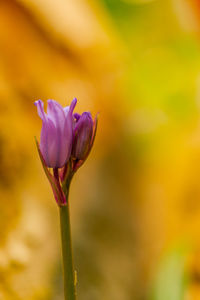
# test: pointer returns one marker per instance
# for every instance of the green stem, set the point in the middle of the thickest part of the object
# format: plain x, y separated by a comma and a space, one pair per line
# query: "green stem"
68, 268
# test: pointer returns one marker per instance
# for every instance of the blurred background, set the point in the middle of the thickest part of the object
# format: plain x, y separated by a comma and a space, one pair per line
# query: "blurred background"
135, 204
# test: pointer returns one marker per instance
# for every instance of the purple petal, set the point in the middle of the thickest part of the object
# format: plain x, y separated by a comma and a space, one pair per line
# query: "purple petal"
68, 131
56, 113
72, 105
59, 149
40, 109
66, 110
48, 135
48, 143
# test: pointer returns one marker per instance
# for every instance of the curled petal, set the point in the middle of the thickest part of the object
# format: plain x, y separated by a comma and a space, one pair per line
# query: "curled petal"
72, 105
40, 109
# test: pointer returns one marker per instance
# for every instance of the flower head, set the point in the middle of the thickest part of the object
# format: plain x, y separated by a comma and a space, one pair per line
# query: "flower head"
65, 142
57, 132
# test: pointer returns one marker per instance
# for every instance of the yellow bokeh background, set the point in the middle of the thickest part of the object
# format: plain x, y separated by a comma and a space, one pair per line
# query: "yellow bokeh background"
135, 204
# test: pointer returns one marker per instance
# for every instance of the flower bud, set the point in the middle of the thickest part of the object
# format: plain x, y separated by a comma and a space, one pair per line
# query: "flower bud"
82, 135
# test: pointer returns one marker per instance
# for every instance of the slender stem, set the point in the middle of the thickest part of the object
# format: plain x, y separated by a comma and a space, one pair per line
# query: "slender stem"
68, 268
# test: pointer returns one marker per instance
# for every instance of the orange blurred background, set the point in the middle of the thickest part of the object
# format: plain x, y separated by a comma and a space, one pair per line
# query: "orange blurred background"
135, 204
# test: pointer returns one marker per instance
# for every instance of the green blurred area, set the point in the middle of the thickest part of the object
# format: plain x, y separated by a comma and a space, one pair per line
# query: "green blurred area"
135, 204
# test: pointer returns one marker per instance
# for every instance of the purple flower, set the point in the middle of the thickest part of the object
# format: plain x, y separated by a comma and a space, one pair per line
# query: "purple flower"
82, 135
65, 142
57, 132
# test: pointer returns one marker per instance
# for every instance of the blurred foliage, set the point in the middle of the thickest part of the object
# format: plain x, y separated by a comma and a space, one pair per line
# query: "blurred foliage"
137, 62
171, 282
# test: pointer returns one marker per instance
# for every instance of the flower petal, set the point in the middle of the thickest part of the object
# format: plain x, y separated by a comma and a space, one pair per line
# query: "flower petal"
48, 136
40, 109
56, 113
48, 143
72, 105
66, 110
68, 133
